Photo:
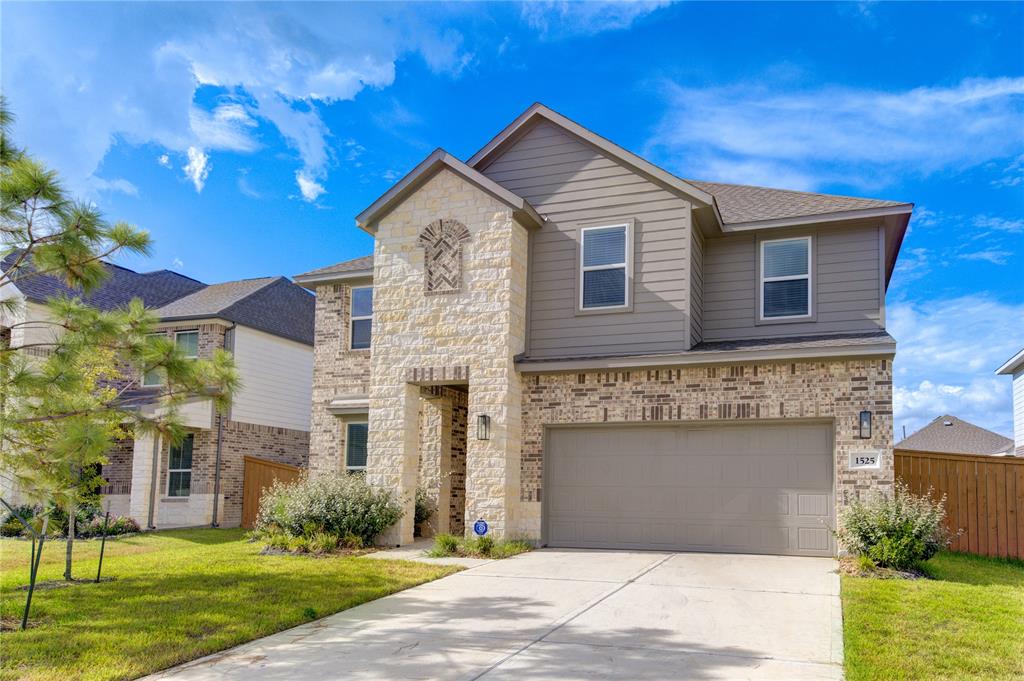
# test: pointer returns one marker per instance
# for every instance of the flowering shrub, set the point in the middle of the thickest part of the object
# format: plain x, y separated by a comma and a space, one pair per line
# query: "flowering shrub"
339, 505
895, 531
118, 525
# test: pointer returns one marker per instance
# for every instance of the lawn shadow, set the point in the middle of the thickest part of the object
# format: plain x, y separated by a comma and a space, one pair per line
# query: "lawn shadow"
967, 568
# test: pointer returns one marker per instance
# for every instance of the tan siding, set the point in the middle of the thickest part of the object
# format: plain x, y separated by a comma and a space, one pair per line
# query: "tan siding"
570, 182
846, 286
696, 286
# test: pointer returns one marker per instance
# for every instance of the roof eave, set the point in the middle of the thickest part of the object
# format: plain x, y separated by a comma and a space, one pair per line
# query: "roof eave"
437, 160
311, 280
1012, 365
905, 208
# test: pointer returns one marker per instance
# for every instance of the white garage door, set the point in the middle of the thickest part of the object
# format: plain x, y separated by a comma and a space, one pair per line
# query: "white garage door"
732, 488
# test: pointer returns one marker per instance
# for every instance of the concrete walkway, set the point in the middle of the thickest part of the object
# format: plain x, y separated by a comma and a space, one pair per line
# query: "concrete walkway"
572, 615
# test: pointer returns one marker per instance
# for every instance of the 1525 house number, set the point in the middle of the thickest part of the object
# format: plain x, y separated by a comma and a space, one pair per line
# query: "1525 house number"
866, 459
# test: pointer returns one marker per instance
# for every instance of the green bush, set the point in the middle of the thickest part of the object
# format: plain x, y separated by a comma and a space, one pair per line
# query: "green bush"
322, 542
479, 547
11, 527
340, 505
445, 545
424, 507
897, 531
117, 525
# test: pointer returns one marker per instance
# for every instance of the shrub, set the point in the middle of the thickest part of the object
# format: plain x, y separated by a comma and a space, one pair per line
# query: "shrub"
424, 507
481, 545
117, 525
510, 547
322, 542
11, 527
445, 545
352, 541
341, 505
896, 531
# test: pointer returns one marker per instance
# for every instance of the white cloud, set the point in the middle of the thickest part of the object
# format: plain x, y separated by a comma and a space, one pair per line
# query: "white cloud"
197, 168
177, 263
164, 160
136, 79
994, 256
310, 188
946, 356
1012, 225
749, 131
1013, 174
98, 184
566, 18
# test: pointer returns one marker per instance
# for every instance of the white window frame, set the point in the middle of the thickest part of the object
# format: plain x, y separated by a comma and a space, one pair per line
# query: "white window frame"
794, 277
626, 265
182, 333
142, 379
167, 490
352, 318
348, 442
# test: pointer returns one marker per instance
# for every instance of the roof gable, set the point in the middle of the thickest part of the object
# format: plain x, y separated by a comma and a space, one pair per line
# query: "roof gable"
950, 435
435, 162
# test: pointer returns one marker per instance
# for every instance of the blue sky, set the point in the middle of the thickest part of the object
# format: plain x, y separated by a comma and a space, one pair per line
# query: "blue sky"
245, 137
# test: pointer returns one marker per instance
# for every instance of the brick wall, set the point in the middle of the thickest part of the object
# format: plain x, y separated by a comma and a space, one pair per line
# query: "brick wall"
117, 471
836, 390
336, 371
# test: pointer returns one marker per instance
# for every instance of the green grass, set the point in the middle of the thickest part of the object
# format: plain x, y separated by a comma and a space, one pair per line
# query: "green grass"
966, 622
446, 545
177, 595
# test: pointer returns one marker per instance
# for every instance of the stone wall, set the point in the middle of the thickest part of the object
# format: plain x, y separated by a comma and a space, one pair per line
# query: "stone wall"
336, 371
481, 326
834, 389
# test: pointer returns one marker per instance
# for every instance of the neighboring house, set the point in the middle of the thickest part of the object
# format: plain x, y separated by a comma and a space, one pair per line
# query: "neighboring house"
565, 341
1015, 367
950, 435
266, 323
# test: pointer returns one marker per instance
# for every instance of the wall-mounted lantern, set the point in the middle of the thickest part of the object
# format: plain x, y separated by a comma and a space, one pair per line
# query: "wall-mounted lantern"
483, 427
865, 425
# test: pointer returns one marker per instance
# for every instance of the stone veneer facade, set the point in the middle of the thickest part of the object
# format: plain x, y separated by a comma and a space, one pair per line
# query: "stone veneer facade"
467, 336
833, 390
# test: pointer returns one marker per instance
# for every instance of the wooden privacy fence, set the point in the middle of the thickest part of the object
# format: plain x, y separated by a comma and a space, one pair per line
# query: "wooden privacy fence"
984, 497
259, 475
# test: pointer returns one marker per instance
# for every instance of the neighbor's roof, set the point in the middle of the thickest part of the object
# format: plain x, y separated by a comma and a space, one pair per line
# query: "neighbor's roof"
271, 304
741, 203
950, 435
357, 267
1012, 365
121, 285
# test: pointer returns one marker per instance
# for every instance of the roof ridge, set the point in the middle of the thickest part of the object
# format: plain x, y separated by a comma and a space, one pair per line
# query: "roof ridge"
272, 280
796, 191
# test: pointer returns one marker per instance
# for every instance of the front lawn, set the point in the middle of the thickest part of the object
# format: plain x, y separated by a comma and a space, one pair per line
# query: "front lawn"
966, 622
177, 595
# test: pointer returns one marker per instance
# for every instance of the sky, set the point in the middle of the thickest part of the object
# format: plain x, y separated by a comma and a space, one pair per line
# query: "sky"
245, 137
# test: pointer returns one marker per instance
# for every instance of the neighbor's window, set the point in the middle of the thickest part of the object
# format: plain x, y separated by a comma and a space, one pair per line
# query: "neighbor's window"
188, 343
355, 446
604, 270
179, 468
154, 377
362, 317
786, 278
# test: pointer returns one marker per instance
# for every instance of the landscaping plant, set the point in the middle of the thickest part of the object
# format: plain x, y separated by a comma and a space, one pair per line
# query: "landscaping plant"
898, 530
477, 547
343, 506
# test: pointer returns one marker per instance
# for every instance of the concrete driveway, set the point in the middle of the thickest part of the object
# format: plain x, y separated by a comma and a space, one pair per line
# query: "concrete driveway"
566, 615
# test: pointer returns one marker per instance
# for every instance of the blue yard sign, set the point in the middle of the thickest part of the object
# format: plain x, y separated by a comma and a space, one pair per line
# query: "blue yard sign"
480, 527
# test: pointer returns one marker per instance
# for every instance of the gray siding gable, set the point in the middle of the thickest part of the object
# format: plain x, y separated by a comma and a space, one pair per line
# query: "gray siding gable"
573, 184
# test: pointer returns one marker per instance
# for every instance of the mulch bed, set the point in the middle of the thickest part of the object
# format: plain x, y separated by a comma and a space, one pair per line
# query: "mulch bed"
268, 551
851, 567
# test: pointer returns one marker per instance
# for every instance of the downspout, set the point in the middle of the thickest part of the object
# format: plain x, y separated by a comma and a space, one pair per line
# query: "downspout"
228, 334
153, 480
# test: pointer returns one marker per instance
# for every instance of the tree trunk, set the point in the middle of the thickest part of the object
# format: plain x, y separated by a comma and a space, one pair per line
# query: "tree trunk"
72, 511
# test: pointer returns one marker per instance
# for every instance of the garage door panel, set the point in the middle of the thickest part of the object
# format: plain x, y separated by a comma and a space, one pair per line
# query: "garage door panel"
742, 488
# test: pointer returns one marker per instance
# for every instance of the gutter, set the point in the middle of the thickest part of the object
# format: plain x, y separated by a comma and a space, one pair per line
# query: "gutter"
698, 358
326, 277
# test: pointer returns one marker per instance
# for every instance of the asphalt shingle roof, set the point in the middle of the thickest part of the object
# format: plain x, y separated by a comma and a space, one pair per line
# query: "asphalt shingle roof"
122, 284
271, 304
354, 265
950, 435
747, 203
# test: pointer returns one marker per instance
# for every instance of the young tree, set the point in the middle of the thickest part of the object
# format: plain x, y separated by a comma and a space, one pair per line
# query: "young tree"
63, 399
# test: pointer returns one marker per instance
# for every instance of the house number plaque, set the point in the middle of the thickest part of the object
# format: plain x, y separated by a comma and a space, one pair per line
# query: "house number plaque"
869, 458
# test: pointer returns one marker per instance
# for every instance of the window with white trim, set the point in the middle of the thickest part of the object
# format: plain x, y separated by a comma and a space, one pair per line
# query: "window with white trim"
188, 343
786, 278
155, 376
179, 468
356, 435
361, 324
604, 267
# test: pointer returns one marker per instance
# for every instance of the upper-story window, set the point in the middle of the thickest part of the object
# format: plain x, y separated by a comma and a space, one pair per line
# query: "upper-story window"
361, 325
604, 267
155, 376
786, 278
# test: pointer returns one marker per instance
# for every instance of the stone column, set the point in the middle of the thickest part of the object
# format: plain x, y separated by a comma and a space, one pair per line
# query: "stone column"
394, 465
436, 460
141, 500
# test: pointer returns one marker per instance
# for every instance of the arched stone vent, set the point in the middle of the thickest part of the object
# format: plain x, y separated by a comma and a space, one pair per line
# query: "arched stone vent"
442, 242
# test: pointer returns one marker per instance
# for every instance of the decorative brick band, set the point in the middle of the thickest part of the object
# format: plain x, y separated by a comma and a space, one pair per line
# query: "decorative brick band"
434, 375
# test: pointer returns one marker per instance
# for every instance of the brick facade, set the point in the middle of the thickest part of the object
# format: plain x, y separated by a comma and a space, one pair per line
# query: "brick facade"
834, 389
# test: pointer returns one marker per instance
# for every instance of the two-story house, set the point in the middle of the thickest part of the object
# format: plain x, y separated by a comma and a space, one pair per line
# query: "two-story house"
267, 325
571, 344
